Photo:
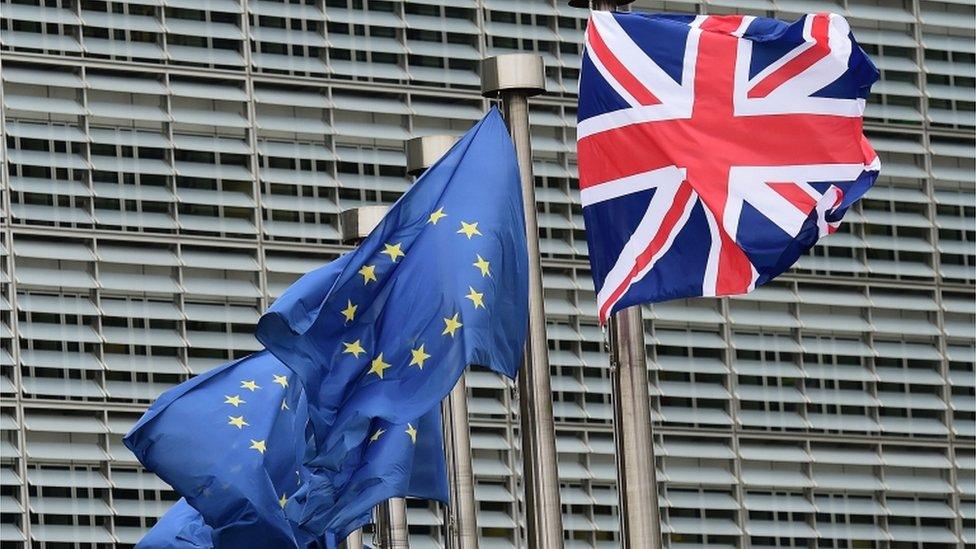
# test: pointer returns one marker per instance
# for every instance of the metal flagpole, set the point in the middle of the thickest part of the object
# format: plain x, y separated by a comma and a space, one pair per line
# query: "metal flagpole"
353, 540
391, 515
516, 77
423, 152
463, 532
391, 524
640, 521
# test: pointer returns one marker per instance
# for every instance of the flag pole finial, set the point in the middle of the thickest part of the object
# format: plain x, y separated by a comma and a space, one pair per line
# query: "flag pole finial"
357, 223
423, 152
522, 74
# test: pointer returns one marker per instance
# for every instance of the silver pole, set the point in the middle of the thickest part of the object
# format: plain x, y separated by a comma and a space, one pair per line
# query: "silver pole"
353, 540
391, 515
391, 524
640, 521
449, 512
462, 527
515, 77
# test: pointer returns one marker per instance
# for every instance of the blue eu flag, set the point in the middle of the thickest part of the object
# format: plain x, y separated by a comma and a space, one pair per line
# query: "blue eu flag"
294, 446
440, 284
385, 331
181, 527
233, 443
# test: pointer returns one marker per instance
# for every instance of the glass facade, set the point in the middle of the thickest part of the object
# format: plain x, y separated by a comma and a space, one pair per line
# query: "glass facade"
170, 166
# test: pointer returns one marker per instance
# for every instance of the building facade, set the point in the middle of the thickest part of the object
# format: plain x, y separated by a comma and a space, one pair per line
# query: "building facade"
170, 166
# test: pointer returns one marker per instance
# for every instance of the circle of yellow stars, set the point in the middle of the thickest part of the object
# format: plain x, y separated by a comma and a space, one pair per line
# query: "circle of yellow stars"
378, 365
394, 252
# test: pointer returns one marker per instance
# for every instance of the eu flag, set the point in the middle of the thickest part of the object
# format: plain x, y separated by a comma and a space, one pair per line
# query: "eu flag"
293, 447
233, 443
384, 332
181, 527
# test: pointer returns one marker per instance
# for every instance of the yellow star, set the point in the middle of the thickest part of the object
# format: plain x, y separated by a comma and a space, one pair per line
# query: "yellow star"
258, 445
237, 421
354, 348
280, 380
283, 501
393, 251
377, 366
419, 357
476, 298
350, 311
482, 265
451, 325
376, 436
412, 432
436, 216
250, 385
369, 273
469, 229
235, 400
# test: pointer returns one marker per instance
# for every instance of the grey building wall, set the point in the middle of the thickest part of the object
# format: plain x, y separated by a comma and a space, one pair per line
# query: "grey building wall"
171, 165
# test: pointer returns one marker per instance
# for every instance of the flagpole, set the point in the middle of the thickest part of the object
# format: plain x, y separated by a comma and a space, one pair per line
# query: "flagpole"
640, 521
391, 515
391, 524
462, 528
516, 77
353, 541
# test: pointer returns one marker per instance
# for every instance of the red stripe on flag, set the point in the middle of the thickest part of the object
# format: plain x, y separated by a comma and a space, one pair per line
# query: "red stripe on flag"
664, 231
868, 150
722, 23
800, 63
734, 268
795, 195
626, 78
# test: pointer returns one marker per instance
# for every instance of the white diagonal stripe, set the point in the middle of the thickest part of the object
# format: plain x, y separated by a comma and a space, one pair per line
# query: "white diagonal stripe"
631, 184
605, 73
644, 69
660, 203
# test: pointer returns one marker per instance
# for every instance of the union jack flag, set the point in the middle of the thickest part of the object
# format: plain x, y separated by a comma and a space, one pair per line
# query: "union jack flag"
715, 150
